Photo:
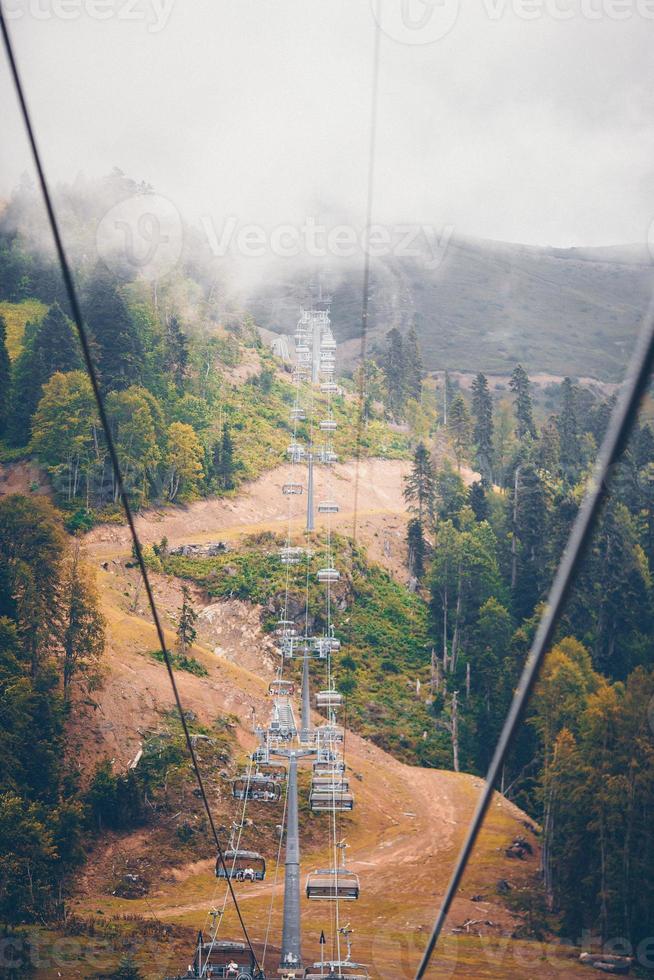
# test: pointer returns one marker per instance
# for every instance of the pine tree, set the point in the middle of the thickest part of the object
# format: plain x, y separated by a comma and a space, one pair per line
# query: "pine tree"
394, 368
222, 461
5, 377
482, 410
186, 631
419, 487
127, 970
176, 356
116, 340
414, 366
477, 500
416, 548
83, 625
528, 539
548, 453
50, 346
568, 431
458, 424
520, 386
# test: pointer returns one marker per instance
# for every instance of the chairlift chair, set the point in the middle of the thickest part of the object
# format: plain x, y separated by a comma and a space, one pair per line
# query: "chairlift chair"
242, 866
328, 507
291, 556
293, 489
328, 425
331, 733
328, 575
328, 762
326, 644
329, 387
298, 415
295, 452
329, 699
256, 787
333, 884
222, 959
330, 782
285, 627
324, 801
279, 688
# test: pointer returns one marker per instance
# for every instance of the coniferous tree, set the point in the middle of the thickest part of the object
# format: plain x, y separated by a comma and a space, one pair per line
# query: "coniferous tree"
568, 431
118, 346
482, 410
419, 487
186, 631
414, 366
528, 539
521, 387
50, 346
5, 377
176, 356
458, 424
478, 501
222, 460
83, 625
416, 548
394, 368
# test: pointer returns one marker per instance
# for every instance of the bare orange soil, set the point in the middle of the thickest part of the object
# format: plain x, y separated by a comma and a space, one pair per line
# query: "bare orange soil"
407, 824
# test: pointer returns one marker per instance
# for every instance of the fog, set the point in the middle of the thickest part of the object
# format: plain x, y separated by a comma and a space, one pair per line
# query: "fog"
511, 128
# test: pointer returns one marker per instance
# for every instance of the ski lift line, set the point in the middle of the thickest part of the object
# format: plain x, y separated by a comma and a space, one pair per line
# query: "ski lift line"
235, 846
274, 887
365, 300
615, 440
76, 312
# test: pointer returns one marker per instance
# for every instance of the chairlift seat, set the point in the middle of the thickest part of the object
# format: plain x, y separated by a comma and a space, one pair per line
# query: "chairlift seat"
242, 866
331, 884
324, 801
328, 575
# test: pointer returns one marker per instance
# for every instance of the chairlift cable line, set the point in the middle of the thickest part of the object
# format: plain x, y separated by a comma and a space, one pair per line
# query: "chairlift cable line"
235, 847
76, 311
615, 440
365, 299
277, 866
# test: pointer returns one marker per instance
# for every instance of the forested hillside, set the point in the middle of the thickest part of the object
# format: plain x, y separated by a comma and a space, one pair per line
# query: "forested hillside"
199, 406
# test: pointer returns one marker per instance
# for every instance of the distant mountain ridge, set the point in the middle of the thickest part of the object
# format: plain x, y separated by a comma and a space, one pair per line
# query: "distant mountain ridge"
486, 306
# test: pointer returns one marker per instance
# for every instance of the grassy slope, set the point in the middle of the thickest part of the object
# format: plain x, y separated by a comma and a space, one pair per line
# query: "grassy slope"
385, 663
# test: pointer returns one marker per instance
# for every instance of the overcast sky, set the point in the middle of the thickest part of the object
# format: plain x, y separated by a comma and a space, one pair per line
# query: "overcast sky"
538, 131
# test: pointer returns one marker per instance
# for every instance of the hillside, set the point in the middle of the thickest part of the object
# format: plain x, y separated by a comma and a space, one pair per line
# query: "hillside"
486, 306
403, 834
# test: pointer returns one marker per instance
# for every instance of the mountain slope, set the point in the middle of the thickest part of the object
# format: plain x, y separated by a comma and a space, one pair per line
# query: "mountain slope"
486, 305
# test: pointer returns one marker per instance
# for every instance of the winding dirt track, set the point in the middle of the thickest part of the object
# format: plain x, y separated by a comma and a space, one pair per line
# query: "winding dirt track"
408, 823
